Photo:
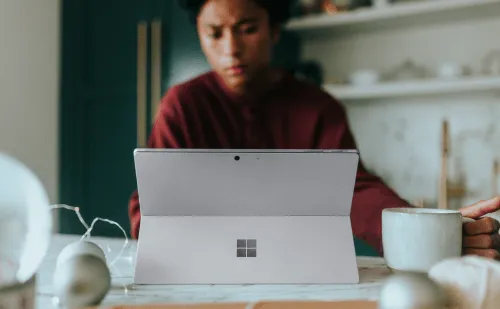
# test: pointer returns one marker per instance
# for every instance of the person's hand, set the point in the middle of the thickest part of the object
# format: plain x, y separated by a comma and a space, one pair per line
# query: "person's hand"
481, 237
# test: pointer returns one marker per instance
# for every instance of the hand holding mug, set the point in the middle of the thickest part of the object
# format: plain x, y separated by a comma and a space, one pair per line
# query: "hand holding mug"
481, 237
415, 239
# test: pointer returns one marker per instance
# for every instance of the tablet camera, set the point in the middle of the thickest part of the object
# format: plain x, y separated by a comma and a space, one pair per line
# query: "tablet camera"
237, 158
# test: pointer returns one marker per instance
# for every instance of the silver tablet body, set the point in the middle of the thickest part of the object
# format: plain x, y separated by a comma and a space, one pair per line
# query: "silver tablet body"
245, 216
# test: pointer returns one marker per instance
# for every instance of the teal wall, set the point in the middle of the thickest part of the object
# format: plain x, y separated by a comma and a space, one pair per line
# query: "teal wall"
182, 57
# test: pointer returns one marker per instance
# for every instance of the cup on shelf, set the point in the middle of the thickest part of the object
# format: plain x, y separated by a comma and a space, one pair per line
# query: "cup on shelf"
364, 77
378, 4
449, 70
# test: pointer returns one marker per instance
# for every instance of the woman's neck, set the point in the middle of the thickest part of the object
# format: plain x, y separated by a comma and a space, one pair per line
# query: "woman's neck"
261, 84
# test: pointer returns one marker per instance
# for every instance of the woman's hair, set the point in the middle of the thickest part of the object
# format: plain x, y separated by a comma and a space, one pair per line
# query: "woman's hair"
278, 10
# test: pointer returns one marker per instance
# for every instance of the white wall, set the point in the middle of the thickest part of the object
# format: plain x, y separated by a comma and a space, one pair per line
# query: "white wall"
400, 138
29, 70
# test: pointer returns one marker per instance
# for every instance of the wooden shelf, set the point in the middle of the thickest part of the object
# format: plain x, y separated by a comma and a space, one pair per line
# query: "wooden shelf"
420, 12
414, 88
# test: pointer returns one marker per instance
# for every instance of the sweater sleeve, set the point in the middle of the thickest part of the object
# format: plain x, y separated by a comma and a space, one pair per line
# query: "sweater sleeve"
169, 131
371, 194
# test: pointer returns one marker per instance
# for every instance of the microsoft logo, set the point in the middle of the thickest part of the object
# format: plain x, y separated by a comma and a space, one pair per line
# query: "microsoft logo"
246, 248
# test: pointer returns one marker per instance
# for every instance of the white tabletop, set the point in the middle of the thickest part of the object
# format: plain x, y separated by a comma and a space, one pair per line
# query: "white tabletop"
372, 272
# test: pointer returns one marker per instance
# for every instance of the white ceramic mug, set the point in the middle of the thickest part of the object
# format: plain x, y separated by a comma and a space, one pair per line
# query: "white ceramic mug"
415, 239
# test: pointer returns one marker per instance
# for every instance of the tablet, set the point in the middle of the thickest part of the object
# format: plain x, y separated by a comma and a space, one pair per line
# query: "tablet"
245, 216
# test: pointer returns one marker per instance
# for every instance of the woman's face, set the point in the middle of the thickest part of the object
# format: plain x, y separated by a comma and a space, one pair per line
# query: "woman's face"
237, 40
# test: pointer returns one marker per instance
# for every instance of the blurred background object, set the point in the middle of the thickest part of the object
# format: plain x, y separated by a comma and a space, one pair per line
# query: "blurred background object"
25, 232
412, 291
491, 63
309, 71
494, 180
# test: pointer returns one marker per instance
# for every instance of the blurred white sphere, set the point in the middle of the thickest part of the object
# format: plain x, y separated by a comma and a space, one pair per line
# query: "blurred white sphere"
25, 222
471, 282
411, 291
81, 281
81, 247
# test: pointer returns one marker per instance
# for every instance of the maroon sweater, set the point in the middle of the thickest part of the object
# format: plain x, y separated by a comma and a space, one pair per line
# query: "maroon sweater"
203, 113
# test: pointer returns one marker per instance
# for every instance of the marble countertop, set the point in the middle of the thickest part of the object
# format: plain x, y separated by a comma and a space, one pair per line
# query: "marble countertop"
372, 272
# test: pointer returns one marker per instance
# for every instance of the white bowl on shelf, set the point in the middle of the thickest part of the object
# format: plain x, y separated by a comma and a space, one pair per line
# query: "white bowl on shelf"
364, 78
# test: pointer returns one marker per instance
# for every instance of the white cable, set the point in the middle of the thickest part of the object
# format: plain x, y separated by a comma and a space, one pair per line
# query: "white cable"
91, 227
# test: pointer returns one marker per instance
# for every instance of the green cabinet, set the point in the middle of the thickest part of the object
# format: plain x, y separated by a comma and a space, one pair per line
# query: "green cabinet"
119, 57
106, 94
